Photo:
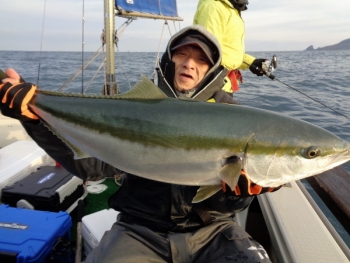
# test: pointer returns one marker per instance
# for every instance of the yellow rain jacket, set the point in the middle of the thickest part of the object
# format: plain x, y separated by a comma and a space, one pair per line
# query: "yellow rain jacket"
224, 21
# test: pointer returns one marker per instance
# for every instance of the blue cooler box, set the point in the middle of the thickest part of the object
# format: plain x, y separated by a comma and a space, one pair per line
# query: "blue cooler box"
30, 235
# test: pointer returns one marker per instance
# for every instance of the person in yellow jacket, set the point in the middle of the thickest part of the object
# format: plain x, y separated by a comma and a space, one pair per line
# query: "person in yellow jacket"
223, 19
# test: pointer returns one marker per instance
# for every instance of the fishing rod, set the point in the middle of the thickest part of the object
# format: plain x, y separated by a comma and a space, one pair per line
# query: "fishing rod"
269, 66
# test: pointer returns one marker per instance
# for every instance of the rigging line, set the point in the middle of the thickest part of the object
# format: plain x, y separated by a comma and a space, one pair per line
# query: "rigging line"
127, 22
120, 31
41, 43
124, 26
82, 49
80, 69
166, 22
104, 70
120, 63
174, 23
92, 79
313, 99
160, 41
154, 74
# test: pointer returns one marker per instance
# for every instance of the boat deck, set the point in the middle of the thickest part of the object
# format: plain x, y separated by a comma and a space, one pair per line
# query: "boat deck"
298, 229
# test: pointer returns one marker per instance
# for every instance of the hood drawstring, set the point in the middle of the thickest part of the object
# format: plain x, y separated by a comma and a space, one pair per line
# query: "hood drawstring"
165, 67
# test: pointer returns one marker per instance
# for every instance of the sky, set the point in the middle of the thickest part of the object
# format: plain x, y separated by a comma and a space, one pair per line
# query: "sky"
271, 25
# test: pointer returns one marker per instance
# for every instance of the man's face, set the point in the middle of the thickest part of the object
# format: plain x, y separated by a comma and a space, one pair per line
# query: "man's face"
191, 65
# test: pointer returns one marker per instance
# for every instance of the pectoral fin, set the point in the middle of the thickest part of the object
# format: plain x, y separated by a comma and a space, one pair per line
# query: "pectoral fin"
205, 192
78, 153
231, 171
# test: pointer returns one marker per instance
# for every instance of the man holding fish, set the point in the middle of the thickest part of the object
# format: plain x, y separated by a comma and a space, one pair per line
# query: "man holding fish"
158, 221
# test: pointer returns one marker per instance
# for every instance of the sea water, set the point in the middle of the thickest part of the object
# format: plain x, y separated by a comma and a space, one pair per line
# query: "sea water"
310, 85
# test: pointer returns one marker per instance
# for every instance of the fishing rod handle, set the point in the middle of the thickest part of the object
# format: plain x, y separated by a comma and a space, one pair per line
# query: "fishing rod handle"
271, 76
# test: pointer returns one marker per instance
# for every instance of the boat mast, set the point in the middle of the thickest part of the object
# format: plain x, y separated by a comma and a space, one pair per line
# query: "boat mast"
111, 86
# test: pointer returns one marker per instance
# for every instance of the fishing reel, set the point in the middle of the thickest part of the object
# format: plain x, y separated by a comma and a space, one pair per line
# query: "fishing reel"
269, 66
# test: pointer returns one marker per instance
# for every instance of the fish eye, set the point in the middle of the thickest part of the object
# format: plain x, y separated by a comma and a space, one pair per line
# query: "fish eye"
312, 152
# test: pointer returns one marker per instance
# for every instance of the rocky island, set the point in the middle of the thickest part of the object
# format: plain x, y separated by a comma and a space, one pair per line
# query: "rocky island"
343, 45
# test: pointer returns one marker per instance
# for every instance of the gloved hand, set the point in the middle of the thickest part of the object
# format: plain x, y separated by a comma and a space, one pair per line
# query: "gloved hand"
256, 66
14, 98
245, 187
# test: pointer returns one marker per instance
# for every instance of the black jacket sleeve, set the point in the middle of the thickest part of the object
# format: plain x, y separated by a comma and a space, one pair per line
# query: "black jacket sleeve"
90, 169
226, 202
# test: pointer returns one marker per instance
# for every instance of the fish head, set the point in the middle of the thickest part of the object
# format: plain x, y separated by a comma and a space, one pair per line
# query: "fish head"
293, 152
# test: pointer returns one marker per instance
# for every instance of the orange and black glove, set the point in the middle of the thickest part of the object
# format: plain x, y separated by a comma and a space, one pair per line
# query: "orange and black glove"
245, 187
14, 100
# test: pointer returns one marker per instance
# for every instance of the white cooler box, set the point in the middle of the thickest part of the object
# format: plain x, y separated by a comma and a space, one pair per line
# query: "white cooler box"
20, 159
95, 225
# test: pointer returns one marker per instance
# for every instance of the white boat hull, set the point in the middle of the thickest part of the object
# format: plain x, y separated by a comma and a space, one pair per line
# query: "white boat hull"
11, 131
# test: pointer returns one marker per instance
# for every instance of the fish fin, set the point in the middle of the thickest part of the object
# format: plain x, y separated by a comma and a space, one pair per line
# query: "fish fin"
205, 192
143, 89
78, 153
231, 171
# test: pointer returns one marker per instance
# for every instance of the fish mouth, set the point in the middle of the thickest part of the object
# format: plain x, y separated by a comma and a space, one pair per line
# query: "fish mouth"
340, 158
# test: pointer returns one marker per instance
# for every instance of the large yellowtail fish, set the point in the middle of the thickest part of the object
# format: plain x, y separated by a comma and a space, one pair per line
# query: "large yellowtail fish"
187, 142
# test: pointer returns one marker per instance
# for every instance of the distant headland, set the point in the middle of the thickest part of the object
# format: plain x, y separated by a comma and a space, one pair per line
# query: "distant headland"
343, 45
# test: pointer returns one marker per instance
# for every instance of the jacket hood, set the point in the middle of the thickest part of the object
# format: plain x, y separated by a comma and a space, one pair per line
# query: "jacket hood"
167, 67
197, 30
